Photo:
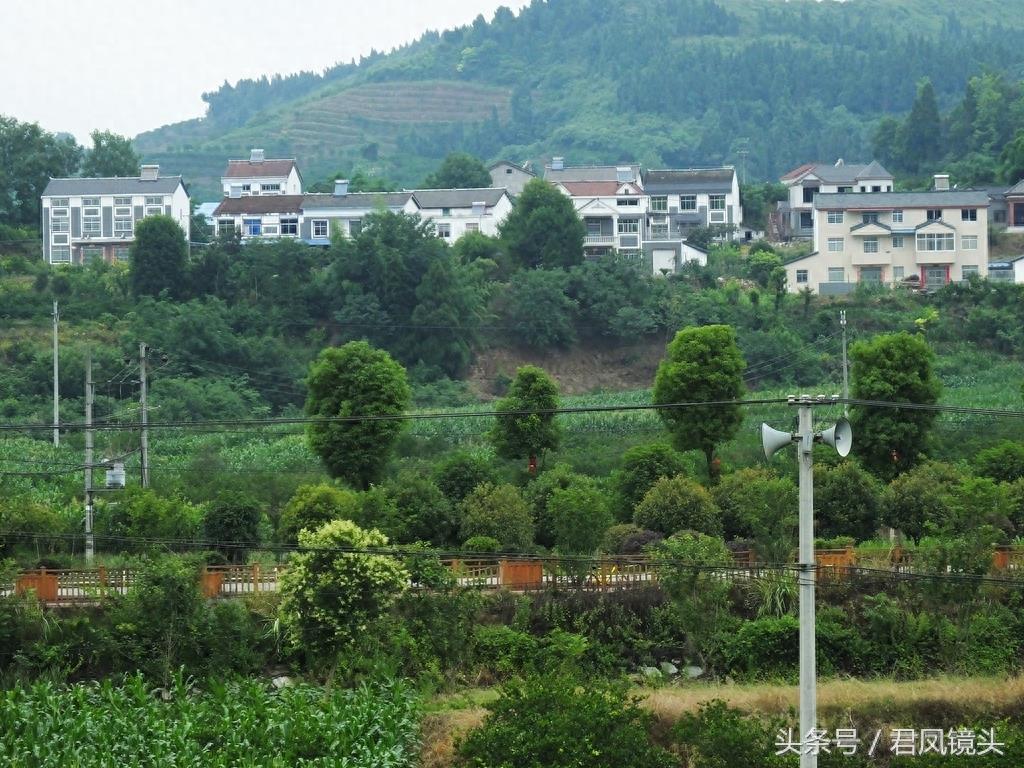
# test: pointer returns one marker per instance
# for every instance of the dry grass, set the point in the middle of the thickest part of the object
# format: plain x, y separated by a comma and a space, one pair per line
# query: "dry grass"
440, 730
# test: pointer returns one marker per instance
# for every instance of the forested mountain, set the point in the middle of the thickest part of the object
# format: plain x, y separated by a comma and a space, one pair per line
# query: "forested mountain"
665, 82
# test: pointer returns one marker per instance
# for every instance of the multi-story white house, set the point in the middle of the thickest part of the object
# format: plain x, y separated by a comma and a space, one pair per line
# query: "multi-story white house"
88, 219
263, 216
455, 212
260, 176
557, 171
613, 213
794, 217
344, 212
511, 176
922, 238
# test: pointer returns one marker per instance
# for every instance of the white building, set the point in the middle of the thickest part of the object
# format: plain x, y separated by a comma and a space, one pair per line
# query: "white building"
919, 238
259, 176
511, 176
455, 212
613, 213
795, 216
343, 212
88, 219
263, 216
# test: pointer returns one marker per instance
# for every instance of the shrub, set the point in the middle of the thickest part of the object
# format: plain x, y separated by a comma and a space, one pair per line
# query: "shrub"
579, 517
538, 311
761, 648
642, 467
460, 473
314, 505
718, 736
232, 520
637, 543
423, 512
538, 495
504, 651
1003, 462
847, 501
616, 536
756, 503
560, 720
920, 498
676, 504
481, 544
498, 511
143, 514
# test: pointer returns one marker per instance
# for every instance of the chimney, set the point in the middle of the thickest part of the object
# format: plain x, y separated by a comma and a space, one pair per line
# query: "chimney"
941, 182
623, 174
255, 155
149, 172
479, 208
557, 163
340, 187
236, 191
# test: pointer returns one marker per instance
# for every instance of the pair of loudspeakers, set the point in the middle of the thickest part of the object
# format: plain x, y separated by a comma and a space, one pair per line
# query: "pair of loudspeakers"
840, 437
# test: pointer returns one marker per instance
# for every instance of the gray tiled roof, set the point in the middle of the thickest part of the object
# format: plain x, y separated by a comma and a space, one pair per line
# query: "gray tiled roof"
871, 200
259, 204
874, 170
1016, 189
126, 185
688, 180
457, 198
325, 200
590, 172
847, 173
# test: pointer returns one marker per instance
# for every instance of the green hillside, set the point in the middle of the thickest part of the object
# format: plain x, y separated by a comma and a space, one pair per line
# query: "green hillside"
662, 81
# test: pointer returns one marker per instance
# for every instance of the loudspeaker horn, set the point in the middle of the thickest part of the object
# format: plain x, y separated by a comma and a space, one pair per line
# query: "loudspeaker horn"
839, 437
773, 439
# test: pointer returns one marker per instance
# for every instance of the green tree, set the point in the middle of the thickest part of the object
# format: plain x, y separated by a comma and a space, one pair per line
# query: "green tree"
642, 466
1012, 159
29, 158
461, 472
449, 306
537, 310
847, 501
459, 171
159, 257
760, 266
676, 504
111, 155
519, 432
920, 502
538, 493
703, 365
543, 229
330, 597
921, 133
232, 521
757, 504
893, 368
498, 511
580, 515
312, 506
1003, 462
349, 382
424, 514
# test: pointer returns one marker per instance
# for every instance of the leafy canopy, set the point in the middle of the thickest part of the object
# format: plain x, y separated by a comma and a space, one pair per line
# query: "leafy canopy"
543, 229
459, 171
516, 434
111, 155
159, 257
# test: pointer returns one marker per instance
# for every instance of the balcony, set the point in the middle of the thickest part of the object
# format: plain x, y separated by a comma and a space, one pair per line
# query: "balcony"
935, 257
599, 239
660, 237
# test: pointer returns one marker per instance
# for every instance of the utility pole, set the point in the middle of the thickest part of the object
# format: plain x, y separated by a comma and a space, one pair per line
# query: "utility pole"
143, 350
846, 369
839, 437
89, 543
56, 386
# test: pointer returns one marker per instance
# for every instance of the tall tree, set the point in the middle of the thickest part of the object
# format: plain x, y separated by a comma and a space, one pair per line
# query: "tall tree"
29, 156
521, 435
703, 364
352, 381
159, 257
543, 229
922, 131
1012, 159
894, 368
450, 302
459, 171
111, 155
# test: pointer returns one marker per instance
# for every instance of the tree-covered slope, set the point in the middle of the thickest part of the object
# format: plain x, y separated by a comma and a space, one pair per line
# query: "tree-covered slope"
666, 82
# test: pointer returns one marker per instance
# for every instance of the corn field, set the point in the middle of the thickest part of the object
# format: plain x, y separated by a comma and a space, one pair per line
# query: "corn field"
238, 725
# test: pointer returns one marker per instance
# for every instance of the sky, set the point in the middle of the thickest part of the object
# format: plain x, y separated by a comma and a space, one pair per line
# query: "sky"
133, 65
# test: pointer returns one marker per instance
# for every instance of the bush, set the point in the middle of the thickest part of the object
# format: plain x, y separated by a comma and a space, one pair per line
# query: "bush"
761, 648
1003, 462
538, 495
423, 512
560, 720
677, 504
718, 736
481, 544
616, 536
921, 499
580, 515
314, 505
642, 467
538, 311
847, 501
755, 503
504, 651
498, 511
460, 473
231, 523
143, 514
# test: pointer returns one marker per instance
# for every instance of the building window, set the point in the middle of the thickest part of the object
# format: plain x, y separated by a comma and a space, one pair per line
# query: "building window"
93, 201
869, 218
687, 202
969, 270
58, 213
935, 242
60, 225
508, 171
897, 273
659, 231
969, 214
871, 275
446, 211
629, 226
870, 245
91, 253
270, 189
290, 226
809, 193
270, 229
835, 217
154, 210
969, 242
627, 201
91, 226
60, 254
60, 239
246, 189
444, 230
934, 214
806, 219
122, 201
121, 253
122, 226
472, 226
836, 275
154, 200
845, 190
123, 211
320, 228
225, 226
801, 276
936, 277
659, 203
835, 245
59, 202
355, 227
897, 241
876, 188
716, 202
897, 217
252, 227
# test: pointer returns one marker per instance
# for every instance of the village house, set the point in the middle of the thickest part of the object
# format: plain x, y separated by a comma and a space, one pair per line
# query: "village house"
260, 176
794, 217
511, 176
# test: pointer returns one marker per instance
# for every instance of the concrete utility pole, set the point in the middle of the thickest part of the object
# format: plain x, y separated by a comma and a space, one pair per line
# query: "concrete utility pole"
89, 543
144, 415
846, 369
839, 437
56, 386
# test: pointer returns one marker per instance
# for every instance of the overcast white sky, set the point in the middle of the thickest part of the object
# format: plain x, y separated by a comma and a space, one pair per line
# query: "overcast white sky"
132, 65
